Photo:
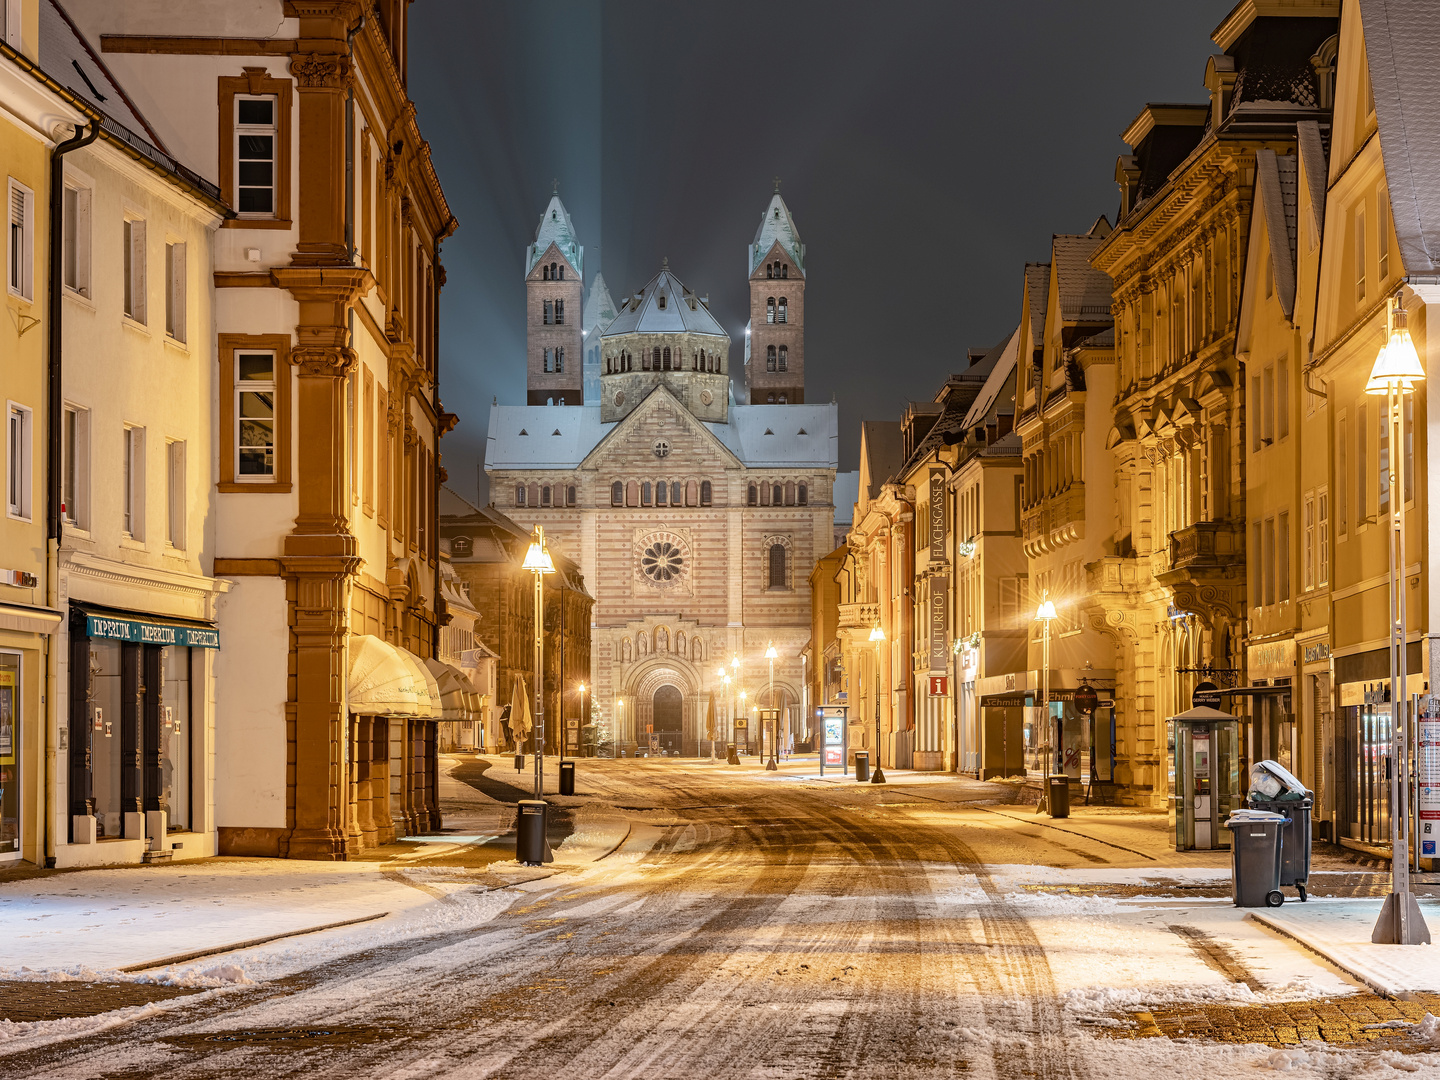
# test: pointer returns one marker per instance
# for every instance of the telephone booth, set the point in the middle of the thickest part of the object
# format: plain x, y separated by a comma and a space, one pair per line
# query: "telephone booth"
1207, 777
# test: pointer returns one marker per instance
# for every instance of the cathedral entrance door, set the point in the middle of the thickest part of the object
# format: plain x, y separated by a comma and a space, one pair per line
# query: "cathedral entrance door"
668, 718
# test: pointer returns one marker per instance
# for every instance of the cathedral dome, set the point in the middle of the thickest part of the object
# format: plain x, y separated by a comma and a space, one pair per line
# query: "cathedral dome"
664, 306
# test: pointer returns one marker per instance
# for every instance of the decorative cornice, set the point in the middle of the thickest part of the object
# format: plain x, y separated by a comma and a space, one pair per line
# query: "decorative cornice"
323, 71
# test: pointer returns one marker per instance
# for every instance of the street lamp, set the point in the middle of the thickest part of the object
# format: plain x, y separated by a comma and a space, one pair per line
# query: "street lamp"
582, 722
771, 654
539, 563
877, 636
1397, 369
1045, 614
740, 710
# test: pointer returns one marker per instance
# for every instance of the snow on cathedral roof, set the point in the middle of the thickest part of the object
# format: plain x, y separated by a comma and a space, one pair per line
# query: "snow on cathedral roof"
664, 306
777, 224
555, 228
599, 308
760, 436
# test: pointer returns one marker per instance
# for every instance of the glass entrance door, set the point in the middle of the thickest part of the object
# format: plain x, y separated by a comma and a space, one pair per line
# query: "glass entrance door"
9, 756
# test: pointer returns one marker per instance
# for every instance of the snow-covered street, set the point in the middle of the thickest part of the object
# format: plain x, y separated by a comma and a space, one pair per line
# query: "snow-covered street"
702, 921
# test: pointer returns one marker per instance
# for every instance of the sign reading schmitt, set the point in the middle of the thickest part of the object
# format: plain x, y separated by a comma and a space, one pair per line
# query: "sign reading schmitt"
149, 633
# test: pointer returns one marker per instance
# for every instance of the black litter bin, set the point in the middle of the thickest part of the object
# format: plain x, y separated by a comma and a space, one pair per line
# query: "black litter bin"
1059, 796
1294, 839
519, 762
567, 778
530, 832
1255, 856
731, 758
862, 766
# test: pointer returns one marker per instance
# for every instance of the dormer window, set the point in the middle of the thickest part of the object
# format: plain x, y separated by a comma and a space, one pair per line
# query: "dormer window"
662, 301
554, 216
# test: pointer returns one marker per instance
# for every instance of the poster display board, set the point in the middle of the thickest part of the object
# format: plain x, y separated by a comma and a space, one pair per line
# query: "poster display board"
833, 736
1427, 776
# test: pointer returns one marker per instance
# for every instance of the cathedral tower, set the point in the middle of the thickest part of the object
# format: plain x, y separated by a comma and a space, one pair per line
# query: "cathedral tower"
554, 292
775, 349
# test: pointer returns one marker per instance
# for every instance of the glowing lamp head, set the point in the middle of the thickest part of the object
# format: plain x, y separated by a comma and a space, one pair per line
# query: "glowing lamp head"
537, 558
582, 688
734, 661
720, 673
770, 653
1398, 365
876, 633
1046, 611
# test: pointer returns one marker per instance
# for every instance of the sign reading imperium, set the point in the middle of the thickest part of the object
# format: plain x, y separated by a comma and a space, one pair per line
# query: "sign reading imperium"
937, 515
939, 626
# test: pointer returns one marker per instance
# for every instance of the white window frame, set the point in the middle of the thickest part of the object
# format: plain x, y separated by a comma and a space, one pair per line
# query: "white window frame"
1360, 255
175, 297
1308, 543
175, 502
273, 130
243, 387
14, 24
1322, 535
134, 280
132, 507
75, 244
19, 460
20, 241
75, 466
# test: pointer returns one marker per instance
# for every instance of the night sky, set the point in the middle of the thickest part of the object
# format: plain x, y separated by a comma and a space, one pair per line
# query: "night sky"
927, 151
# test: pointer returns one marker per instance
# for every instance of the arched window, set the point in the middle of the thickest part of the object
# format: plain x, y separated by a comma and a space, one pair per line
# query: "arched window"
770, 398
784, 270
570, 495
617, 494
779, 317
764, 494
667, 358
544, 273
632, 494
769, 310
802, 495
645, 494
783, 398
519, 494
784, 358
705, 492
562, 272
545, 495
662, 301
560, 313
753, 500
655, 358
662, 489
690, 493
549, 308
461, 547
769, 358
789, 493
552, 271
560, 361
777, 566
676, 494
607, 365
561, 401
769, 270
779, 495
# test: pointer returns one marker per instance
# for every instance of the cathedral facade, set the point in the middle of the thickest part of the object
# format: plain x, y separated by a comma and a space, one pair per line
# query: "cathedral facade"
696, 499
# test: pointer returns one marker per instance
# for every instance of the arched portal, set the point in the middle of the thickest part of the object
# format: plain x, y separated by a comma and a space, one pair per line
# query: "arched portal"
668, 717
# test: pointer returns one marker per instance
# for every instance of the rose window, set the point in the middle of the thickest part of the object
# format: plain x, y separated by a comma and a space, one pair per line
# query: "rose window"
662, 562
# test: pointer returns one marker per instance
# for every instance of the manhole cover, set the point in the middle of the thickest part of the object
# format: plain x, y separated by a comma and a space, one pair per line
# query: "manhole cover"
319, 1035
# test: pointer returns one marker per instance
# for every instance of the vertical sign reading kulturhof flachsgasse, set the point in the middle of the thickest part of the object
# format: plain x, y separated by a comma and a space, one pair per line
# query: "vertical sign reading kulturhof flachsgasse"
937, 515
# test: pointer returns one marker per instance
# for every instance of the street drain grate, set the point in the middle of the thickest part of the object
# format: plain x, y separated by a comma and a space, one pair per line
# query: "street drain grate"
320, 1035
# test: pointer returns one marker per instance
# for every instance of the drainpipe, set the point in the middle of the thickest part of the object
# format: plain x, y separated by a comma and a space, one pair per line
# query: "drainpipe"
54, 414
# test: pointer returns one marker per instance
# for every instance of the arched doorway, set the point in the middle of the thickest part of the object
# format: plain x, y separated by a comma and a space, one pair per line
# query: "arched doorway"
668, 715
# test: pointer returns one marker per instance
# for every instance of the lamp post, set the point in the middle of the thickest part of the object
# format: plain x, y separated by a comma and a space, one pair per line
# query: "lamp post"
741, 711
615, 735
539, 563
582, 723
1044, 614
804, 703
877, 636
724, 681
1397, 369
771, 654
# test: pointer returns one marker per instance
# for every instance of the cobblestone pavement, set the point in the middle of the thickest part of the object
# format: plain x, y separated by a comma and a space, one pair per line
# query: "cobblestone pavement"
1344, 1021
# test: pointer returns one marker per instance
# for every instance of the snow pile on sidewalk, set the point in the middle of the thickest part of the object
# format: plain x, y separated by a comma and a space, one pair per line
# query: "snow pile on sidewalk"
1339, 930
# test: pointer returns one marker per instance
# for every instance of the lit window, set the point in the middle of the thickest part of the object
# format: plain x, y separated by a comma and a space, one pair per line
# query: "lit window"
255, 145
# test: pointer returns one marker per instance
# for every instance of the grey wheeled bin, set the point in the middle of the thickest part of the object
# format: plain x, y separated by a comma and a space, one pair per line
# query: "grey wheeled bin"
1255, 856
1294, 839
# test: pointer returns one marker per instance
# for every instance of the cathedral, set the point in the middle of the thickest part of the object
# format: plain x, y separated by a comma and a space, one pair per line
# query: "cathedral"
696, 499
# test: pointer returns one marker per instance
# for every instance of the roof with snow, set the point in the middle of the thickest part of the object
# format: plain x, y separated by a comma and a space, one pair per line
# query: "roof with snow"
776, 225
599, 307
1402, 38
1084, 291
1277, 184
989, 399
555, 228
1037, 288
664, 306
760, 436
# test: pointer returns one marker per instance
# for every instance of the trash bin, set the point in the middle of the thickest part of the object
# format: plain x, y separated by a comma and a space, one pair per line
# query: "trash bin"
567, 778
1059, 796
1294, 839
519, 762
530, 832
1255, 857
731, 758
862, 766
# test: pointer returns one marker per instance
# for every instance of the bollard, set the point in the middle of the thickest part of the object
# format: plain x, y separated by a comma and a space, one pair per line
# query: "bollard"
862, 766
530, 832
567, 778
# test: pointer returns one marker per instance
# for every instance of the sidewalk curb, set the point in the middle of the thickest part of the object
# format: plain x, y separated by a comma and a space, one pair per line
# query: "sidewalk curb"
1276, 925
180, 958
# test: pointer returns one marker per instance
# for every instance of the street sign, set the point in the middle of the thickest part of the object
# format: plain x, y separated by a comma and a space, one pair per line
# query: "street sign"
939, 685
1086, 699
1206, 694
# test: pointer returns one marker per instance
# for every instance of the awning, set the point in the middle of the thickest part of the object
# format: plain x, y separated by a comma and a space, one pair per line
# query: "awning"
458, 699
101, 622
28, 619
381, 682
427, 690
